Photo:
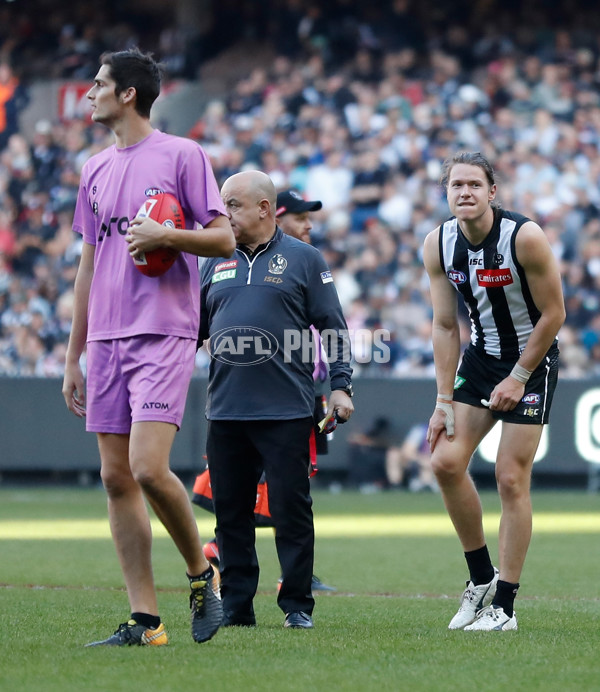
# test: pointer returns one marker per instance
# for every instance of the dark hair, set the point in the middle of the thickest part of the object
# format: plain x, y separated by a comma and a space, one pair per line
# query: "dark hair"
472, 158
132, 68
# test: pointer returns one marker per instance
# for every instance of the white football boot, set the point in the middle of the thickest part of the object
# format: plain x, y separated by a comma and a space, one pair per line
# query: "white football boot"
474, 598
492, 618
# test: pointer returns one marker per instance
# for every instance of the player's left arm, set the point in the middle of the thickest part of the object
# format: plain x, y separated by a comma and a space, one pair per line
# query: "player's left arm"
216, 239
543, 277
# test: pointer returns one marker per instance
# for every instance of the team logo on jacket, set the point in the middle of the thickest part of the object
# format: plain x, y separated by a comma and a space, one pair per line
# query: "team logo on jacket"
326, 277
490, 278
457, 277
277, 264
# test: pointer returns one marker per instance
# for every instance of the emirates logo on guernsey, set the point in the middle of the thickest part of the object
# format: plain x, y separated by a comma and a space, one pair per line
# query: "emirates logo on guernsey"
494, 277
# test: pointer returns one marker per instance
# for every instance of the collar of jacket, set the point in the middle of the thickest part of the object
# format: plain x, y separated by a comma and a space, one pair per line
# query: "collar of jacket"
277, 236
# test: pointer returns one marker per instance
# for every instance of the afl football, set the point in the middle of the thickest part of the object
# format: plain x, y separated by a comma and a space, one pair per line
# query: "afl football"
165, 209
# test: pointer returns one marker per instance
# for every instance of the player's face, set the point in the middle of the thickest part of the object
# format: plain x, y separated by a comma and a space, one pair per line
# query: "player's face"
244, 213
469, 192
297, 225
106, 106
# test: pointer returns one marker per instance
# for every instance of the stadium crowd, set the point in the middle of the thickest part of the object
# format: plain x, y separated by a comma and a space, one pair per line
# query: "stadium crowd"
357, 109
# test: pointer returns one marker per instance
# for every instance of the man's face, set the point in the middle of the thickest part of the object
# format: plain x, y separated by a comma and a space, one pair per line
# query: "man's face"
106, 106
296, 225
469, 192
243, 212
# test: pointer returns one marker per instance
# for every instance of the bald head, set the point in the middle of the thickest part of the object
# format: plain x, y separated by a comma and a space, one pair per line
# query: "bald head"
256, 184
250, 199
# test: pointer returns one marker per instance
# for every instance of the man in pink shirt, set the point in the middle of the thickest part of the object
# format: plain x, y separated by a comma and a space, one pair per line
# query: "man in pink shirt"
141, 332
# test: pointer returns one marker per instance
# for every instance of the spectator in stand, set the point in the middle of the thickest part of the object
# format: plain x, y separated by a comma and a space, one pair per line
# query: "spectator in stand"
46, 156
35, 229
409, 464
13, 98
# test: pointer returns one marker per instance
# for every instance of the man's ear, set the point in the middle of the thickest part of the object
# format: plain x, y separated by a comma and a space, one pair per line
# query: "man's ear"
128, 95
264, 208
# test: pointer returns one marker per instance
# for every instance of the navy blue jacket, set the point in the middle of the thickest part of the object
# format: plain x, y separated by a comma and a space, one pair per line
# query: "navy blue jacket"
257, 309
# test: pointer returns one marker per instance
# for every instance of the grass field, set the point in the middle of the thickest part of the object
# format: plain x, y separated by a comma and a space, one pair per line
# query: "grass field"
399, 572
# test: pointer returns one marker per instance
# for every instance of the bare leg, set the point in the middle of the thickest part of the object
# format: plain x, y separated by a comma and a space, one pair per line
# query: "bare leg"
150, 445
449, 462
129, 523
517, 449
464, 508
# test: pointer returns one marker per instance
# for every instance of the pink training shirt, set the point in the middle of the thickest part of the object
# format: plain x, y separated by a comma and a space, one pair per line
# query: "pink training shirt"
114, 184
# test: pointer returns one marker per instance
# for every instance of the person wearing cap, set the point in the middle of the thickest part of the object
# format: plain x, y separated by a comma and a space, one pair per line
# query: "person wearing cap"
293, 214
293, 217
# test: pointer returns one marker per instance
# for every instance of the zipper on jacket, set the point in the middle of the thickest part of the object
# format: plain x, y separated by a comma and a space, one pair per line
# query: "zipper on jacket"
251, 261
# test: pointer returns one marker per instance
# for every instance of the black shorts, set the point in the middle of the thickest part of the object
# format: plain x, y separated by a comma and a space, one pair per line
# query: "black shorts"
479, 373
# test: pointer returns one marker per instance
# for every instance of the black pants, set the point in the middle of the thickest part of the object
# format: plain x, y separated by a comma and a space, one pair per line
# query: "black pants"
238, 452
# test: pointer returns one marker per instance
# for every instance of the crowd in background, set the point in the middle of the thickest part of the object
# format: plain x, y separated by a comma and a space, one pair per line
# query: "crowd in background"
358, 108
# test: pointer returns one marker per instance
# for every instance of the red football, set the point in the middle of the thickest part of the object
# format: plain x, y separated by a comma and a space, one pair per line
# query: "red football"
165, 209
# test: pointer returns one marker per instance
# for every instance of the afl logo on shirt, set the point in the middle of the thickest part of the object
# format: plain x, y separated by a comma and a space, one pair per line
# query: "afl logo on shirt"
457, 277
277, 264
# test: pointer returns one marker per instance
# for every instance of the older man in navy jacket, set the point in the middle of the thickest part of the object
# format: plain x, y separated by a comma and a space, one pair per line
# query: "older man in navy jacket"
257, 308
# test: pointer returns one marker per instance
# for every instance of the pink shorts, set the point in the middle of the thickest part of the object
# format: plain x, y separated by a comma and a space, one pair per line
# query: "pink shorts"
140, 378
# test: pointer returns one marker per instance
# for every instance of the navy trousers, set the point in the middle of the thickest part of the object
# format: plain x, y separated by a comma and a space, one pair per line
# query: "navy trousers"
238, 452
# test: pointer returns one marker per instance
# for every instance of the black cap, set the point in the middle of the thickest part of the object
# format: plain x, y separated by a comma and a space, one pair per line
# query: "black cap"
291, 202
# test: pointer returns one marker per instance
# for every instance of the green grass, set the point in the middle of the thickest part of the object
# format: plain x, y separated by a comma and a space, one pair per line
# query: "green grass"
398, 568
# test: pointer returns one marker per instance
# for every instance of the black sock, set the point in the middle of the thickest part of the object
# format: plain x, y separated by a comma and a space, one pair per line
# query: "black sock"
505, 596
207, 575
481, 570
151, 621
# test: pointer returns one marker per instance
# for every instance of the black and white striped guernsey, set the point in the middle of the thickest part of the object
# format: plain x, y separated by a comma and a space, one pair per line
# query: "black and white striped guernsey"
492, 284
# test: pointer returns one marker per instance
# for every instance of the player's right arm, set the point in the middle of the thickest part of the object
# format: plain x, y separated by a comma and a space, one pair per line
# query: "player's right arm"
73, 384
445, 338
215, 240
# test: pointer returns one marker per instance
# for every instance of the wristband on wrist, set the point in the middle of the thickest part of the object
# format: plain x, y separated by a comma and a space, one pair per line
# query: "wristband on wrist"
445, 397
446, 408
520, 374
